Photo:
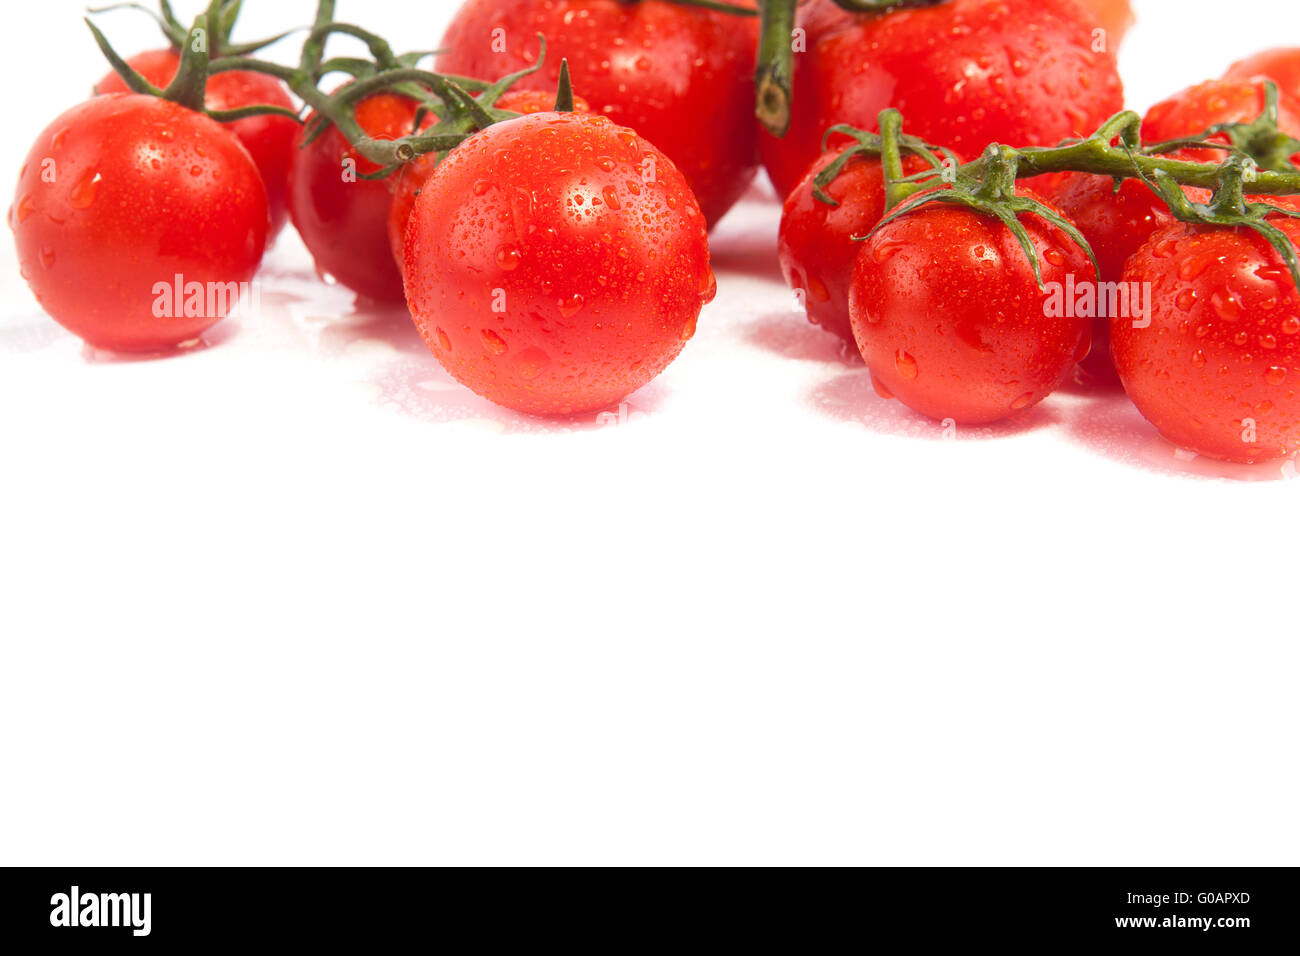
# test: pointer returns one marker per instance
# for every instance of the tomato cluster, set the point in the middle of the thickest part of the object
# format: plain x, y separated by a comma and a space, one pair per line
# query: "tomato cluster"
553, 249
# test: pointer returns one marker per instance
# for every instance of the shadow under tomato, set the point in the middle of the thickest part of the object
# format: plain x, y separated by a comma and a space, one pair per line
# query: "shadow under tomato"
852, 398
749, 253
790, 335
1112, 426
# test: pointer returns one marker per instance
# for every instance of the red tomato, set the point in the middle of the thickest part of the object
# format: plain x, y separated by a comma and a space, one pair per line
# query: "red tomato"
1217, 370
681, 76
268, 139
1281, 65
816, 245
342, 217
556, 263
1194, 110
964, 73
407, 182
950, 319
1115, 225
121, 199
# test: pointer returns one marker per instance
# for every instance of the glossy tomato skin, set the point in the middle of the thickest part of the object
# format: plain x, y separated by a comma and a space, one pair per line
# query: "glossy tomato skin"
1222, 351
1116, 224
407, 182
1281, 65
964, 73
548, 271
1191, 111
343, 217
125, 192
1114, 16
682, 77
950, 320
816, 244
268, 139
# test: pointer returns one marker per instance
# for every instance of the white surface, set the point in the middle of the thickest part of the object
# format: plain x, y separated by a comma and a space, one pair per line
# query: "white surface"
297, 598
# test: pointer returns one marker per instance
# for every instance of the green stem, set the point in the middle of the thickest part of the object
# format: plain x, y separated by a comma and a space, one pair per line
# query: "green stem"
774, 78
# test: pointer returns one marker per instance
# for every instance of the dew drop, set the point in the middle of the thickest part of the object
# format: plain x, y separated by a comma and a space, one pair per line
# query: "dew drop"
1198, 359
1024, 401
688, 330
531, 363
906, 365
571, 306
444, 342
480, 187
494, 343
1263, 408
1275, 375
1268, 341
83, 193
708, 286
23, 210
1226, 305
817, 289
880, 389
1186, 299
46, 256
508, 258
611, 197
1291, 326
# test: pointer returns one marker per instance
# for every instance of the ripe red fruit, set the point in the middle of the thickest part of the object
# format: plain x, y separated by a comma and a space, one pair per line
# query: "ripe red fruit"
964, 73
1113, 16
681, 76
122, 198
268, 139
343, 217
407, 182
949, 317
1281, 65
1217, 371
1190, 112
557, 262
816, 245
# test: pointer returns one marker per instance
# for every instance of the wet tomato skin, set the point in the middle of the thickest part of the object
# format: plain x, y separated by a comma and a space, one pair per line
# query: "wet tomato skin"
407, 182
816, 245
1190, 112
268, 139
124, 192
343, 217
964, 73
1220, 361
681, 76
950, 320
1281, 65
548, 272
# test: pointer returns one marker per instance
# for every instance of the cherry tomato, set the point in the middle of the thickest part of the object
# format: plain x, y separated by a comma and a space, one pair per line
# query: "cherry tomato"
556, 263
1116, 224
410, 179
268, 139
949, 317
1217, 371
964, 73
343, 217
681, 76
1281, 65
1192, 111
816, 245
124, 198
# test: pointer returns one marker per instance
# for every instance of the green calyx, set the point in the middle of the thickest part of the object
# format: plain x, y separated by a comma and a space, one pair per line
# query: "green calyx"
988, 185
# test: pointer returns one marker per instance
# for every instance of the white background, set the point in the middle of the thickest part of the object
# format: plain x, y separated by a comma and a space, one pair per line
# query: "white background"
298, 598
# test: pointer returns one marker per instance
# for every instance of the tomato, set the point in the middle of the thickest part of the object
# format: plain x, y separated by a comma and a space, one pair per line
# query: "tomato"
556, 263
1116, 224
816, 245
1281, 65
964, 73
343, 217
268, 139
949, 317
1217, 371
122, 198
407, 182
1192, 111
681, 76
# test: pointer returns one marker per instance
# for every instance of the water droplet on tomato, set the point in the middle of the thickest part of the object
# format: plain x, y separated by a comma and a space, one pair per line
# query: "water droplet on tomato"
1186, 299
605, 164
1268, 341
23, 209
508, 258
1054, 256
494, 343
84, 192
688, 331
1263, 408
880, 389
480, 187
1275, 375
906, 365
46, 256
1199, 359
708, 286
1226, 305
1023, 401
444, 342
611, 197
1241, 338
57, 140
571, 306
196, 170
531, 363
1291, 326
